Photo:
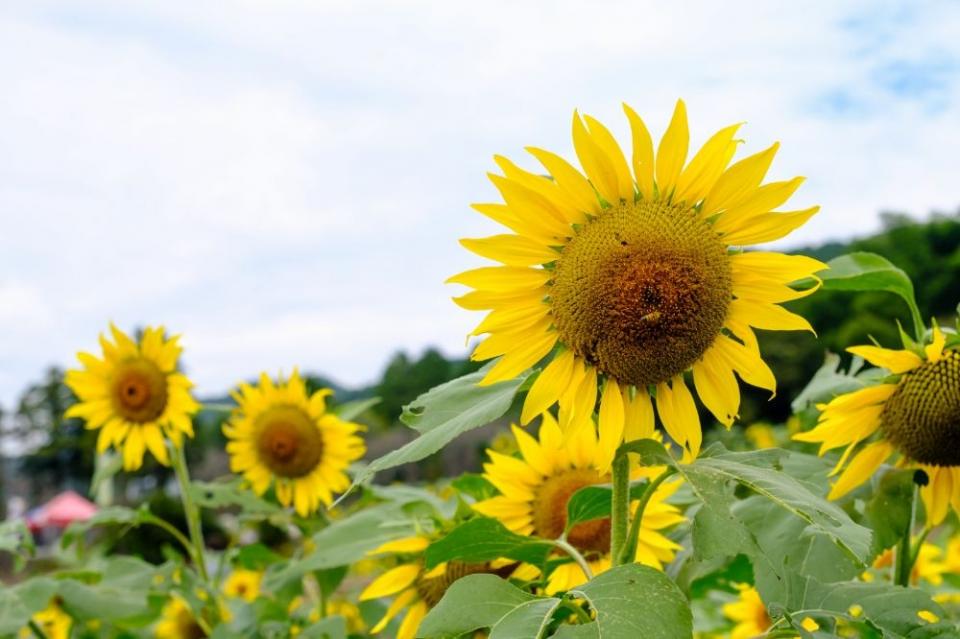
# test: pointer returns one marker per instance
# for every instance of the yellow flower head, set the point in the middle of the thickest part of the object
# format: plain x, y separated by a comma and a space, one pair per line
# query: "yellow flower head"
535, 489
54, 622
749, 614
929, 566
134, 395
279, 433
630, 279
243, 584
177, 622
415, 589
915, 415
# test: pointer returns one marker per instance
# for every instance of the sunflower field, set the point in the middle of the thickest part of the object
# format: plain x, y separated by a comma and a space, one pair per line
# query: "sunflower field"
621, 301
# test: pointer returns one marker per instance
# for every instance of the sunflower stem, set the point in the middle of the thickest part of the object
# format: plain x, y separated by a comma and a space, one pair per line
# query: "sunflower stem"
565, 546
190, 511
905, 555
36, 629
619, 506
629, 551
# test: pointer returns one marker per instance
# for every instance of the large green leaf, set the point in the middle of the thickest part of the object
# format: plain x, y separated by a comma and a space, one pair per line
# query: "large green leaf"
19, 603
471, 603
889, 508
344, 542
485, 539
635, 601
443, 414
120, 594
871, 272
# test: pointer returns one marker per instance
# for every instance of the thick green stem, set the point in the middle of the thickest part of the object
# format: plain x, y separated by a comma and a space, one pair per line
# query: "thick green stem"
629, 551
619, 505
565, 546
905, 556
190, 510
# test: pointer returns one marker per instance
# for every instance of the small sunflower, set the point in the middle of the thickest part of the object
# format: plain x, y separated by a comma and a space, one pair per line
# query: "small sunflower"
630, 279
536, 487
915, 414
243, 584
178, 622
749, 614
134, 395
415, 588
52, 620
280, 433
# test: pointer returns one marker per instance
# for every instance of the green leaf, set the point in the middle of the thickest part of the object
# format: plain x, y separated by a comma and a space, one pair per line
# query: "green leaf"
120, 594
471, 603
443, 414
351, 410
19, 603
871, 272
344, 542
474, 485
113, 515
593, 502
635, 601
529, 619
333, 627
485, 539
230, 493
892, 609
16, 539
889, 508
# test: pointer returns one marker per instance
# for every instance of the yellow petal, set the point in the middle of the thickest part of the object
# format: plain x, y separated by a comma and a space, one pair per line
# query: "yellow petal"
525, 226
412, 544
764, 199
739, 181
398, 604
706, 166
391, 582
896, 361
610, 425
411, 623
768, 227
608, 145
595, 163
672, 152
530, 205
717, 387
522, 358
934, 350
638, 416
544, 187
548, 387
512, 250
777, 266
768, 316
502, 278
570, 181
642, 153
679, 414
861, 468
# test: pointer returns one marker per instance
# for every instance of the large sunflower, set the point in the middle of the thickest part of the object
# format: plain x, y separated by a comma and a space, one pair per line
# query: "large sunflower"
134, 395
414, 588
535, 490
630, 278
279, 433
915, 413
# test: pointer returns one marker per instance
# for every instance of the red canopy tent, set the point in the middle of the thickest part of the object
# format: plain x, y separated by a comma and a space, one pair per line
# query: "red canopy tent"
61, 511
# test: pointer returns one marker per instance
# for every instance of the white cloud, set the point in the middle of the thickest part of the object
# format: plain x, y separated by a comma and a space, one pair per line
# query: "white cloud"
285, 182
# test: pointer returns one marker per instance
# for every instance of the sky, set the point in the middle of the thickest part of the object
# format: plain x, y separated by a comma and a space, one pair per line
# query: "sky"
284, 183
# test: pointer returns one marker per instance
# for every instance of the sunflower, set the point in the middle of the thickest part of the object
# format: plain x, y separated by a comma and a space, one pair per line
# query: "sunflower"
178, 622
52, 620
415, 588
914, 413
749, 614
630, 280
134, 395
243, 584
281, 433
536, 487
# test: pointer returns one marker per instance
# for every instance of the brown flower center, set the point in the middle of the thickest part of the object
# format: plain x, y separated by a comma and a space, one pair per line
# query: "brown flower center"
550, 511
139, 391
188, 627
289, 442
642, 291
922, 417
431, 589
